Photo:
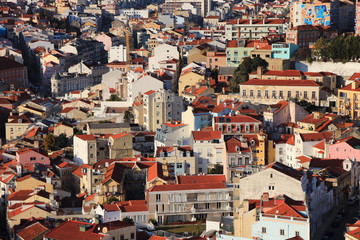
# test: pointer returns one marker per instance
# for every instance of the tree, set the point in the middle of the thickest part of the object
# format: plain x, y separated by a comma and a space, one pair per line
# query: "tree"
128, 117
114, 97
214, 73
49, 142
218, 169
112, 199
61, 141
303, 53
241, 74
78, 131
128, 220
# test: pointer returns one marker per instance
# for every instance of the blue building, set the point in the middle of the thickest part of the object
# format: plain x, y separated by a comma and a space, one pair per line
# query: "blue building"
2, 31
281, 223
283, 50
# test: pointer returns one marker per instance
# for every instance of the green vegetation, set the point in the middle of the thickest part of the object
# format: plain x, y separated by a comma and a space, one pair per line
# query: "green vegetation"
153, 221
241, 74
128, 117
218, 169
192, 229
78, 131
112, 199
114, 97
128, 220
53, 143
338, 49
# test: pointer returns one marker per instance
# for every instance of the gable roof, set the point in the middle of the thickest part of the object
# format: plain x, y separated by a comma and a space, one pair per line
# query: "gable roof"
216, 178
286, 170
71, 230
206, 135
32, 231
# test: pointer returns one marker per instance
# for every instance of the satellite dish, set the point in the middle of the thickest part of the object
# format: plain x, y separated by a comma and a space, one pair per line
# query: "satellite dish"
104, 230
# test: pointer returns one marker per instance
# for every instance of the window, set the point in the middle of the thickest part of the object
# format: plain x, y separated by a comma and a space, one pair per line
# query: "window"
297, 233
158, 198
289, 94
244, 93
258, 93
207, 205
313, 94
266, 93
122, 237
305, 94
132, 235
281, 94
251, 93
271, 175
263, 229
33, 159
274, 94
282, 232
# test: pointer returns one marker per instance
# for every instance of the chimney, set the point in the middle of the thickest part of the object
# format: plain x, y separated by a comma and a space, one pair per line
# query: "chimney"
265, 197
354, 85
192, 89
259, 72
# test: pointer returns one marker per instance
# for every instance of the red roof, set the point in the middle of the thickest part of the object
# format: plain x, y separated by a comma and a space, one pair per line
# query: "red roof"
271, 82
310, 137
206, 135
86, 137
119, 135
183, 187
201, 179
33, 231
111, 207
71, 230
149, 92
236, 119
355, 76
133, 206
285, 210
66, 110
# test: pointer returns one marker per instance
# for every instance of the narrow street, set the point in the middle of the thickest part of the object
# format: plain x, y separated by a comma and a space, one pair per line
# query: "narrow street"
338, 229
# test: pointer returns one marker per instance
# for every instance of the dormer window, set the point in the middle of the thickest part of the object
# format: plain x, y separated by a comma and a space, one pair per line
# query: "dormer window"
19, 120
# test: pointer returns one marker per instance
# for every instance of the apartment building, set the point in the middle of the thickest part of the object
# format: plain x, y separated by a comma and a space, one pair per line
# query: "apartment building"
157, 107
62, 83
89, 149
349, 100
171, 134
254, 28
209, 149
237, 125
191, 75
180, 159
13, 73
190, 200
278, 179
203, 7
268, 91
17, 125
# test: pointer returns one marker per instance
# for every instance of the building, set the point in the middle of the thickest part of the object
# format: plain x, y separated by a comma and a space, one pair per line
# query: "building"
203, 7
171, 134
254, 28
190, 200
14, 74
325, 14
277, 179
191, 75
268, 91
180, 160
209, 149
161, 53
117, 54
283, 50
352, 231
89, 149
17, 125
157, 107
83, 230
237, 125
348, 100
62, 83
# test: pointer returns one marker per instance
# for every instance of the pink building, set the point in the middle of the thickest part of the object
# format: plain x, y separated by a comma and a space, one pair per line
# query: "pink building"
31, 157
345, 148
108, 40
215, 60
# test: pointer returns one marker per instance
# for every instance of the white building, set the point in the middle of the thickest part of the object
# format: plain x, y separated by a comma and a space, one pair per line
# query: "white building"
209, 148
161, 53
117, 53
172, 134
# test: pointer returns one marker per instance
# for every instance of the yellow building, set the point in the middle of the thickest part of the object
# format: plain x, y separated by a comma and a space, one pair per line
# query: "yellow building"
191, 75
349, 100
258, 147
17, 126
29, 182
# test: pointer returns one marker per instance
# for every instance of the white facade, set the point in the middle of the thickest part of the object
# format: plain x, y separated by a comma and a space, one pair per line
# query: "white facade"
208, 153
144, 84
117, 53
160, 53
81, 151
